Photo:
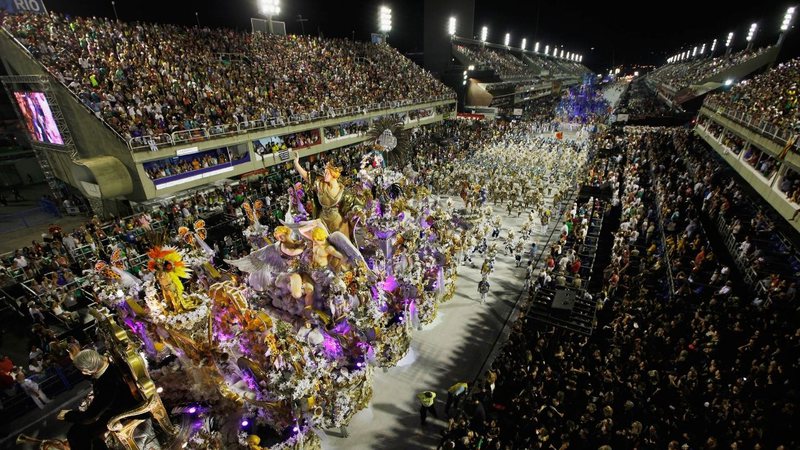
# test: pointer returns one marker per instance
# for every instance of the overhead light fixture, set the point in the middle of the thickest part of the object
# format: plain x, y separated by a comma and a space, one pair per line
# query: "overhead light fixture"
751, 33
384, 19
787, 18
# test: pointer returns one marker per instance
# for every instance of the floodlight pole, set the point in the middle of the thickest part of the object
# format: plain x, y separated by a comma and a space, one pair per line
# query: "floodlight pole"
788, 22
114, 6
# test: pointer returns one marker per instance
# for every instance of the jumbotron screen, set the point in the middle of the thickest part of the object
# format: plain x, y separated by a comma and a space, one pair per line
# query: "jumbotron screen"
38, 117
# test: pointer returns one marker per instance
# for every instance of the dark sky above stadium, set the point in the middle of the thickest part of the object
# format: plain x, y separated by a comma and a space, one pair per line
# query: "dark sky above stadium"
621, 32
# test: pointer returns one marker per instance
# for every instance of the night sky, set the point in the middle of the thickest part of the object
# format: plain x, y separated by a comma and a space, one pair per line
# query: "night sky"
621, 32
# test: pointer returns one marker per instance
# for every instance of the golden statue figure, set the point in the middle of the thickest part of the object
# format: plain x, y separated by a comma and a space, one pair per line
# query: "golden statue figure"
333, 204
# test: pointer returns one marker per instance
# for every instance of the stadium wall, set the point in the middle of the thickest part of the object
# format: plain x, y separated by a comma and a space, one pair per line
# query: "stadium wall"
91, 137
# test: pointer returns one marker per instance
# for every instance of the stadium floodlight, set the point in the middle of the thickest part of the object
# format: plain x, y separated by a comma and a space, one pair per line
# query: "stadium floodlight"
787, 18
451, 26
484, 34
751, 33
562, 53
580, 59
384, 19
471, 67
546, 49
508, 39
728, 82
730, 39
694, 51
713, 46
524, 43
703, 49
536, 47
269, 8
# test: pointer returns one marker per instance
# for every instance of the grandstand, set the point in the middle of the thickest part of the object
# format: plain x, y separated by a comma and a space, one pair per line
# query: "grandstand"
130, 101
503, 77
754, 128
682, 81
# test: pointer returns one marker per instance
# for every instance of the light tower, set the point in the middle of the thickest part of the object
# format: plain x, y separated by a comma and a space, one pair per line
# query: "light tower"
751, 35
788, 20
728, 44
384, 20
451, 26
269, 8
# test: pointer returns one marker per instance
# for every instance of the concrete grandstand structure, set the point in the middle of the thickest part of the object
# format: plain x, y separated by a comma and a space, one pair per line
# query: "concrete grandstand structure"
500, 76
111, 169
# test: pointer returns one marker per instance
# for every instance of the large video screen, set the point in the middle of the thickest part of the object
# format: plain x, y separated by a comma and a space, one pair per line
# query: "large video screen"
38, 117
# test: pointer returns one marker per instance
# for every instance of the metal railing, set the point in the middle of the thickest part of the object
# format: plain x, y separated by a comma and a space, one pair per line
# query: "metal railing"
765, 128
205, 133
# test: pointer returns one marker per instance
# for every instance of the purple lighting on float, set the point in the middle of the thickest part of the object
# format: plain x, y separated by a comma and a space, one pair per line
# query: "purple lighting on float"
332, 347
192, 410
342, 327
245, 423
390, 284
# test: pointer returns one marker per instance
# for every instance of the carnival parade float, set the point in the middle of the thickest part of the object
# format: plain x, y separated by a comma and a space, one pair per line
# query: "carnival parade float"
267, 348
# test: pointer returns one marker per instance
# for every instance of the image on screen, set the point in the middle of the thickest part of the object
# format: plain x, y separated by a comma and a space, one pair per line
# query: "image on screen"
38, 117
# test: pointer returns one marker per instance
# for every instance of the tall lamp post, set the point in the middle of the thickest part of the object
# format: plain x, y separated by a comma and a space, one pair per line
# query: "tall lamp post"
484, 34
270, 8
451, 27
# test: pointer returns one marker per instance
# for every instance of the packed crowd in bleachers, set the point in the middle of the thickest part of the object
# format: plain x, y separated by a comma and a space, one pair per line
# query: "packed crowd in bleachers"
504, 63
700, 365
771, 96
681, 74
139, 79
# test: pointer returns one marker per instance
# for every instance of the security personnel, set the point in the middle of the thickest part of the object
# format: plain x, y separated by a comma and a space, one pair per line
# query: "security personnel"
426, 404
455, 393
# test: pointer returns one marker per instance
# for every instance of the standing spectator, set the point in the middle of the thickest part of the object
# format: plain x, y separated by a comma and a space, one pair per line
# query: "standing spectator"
33, 390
